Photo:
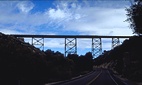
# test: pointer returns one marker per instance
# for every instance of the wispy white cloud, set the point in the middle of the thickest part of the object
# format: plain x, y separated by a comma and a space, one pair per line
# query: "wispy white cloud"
58, 13
17, 17
101, 22
91, 19
25, 6
72, 15
66, 17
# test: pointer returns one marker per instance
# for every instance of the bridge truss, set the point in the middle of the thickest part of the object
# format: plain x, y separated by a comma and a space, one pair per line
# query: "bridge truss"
71, 42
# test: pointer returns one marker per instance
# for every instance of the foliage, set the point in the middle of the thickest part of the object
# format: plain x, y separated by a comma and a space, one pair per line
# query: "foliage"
60, 67
22, 63
134, 14
125, 59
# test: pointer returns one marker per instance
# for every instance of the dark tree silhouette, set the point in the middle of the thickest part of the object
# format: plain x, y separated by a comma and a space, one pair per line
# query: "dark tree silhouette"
125, 59
134, 14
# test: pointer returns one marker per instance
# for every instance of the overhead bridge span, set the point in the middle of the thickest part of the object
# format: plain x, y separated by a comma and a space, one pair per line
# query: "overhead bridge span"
70, 43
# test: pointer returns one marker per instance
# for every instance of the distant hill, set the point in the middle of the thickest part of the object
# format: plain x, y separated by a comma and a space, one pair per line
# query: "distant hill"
126, 59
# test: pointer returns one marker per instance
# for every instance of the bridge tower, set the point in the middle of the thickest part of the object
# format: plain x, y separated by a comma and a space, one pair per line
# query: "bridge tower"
115, 42
96, 47
38, 42
70, 46
71, 42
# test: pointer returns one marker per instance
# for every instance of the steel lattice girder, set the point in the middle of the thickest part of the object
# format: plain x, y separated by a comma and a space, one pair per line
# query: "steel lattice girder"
70, 46
38, 42
96, 47
115, 42
96, 44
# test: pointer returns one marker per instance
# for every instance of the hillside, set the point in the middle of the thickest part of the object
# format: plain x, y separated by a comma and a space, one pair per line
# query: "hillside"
126, 59
20, 62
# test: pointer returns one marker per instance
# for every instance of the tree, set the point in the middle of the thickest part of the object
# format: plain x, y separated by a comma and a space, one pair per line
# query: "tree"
134, 14
89, 60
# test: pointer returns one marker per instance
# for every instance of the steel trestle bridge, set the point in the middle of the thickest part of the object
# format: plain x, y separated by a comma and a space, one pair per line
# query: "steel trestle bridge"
71, 42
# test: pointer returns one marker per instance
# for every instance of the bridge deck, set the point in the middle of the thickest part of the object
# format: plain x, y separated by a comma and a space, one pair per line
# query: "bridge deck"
71, 44
68, 36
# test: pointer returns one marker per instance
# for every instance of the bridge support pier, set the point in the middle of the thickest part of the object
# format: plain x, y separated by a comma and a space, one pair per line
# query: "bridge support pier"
96, 47
70, 46
115, 42
38, 42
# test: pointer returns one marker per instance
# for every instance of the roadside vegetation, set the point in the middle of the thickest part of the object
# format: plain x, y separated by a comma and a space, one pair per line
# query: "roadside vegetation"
126, 59
22, 63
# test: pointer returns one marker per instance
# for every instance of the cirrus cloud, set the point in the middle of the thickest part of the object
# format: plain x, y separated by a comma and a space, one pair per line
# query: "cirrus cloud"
65, 17
25, 6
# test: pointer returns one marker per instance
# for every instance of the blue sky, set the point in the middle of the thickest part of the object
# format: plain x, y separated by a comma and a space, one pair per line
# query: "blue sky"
65, 17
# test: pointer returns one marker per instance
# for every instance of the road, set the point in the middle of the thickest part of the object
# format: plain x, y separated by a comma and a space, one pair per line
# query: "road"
98, 77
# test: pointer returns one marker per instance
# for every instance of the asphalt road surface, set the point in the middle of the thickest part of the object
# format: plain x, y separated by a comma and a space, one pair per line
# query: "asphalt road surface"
98, 77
